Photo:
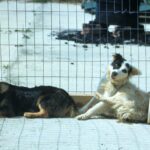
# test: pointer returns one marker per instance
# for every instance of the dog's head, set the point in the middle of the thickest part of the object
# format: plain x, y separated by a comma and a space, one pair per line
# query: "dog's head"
120, 70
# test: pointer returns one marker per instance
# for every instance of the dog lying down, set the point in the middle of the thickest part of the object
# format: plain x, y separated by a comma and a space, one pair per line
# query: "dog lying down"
37, 102
117, 97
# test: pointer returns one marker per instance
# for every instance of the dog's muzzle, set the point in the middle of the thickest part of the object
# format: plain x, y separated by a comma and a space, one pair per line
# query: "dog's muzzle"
114, 74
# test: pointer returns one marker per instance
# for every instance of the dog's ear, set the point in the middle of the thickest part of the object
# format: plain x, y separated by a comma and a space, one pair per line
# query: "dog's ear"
117, 56
135, 71
3, 87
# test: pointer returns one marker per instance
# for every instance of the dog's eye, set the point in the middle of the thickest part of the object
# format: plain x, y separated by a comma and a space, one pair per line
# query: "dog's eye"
116, 66
124, 71
127, 65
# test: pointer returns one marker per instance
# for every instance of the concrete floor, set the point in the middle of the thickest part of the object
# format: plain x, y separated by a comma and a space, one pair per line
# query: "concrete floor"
71, 134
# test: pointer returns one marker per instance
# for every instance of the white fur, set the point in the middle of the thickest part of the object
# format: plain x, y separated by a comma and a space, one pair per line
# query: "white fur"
118, 98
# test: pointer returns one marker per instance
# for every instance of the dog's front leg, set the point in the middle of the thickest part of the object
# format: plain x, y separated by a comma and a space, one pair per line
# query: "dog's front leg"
97, 109
92, 102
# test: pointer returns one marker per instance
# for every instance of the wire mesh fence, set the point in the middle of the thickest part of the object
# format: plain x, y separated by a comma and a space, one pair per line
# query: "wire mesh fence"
32, 54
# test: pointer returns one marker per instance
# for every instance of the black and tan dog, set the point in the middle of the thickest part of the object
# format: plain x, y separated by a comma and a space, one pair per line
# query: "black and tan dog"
36, 102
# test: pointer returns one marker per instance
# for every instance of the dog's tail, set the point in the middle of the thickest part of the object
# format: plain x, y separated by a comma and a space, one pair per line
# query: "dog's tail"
74, 111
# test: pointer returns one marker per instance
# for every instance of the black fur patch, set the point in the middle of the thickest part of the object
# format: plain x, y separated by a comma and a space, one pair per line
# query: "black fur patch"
129, 67
117, 61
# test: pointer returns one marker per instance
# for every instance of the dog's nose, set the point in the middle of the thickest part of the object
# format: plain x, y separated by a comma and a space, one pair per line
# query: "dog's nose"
114, 74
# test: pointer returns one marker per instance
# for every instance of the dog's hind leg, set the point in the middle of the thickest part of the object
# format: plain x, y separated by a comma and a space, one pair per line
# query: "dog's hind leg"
41, 114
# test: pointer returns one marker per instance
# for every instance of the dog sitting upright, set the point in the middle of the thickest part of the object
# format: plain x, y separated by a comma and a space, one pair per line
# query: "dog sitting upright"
37, 102
117, 97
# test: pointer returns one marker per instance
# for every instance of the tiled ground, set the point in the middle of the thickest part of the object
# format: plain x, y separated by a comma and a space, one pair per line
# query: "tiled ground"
71, 134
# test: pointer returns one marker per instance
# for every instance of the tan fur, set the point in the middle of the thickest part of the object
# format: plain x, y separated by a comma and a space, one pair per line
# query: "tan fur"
119, 99
135, 71
41, 114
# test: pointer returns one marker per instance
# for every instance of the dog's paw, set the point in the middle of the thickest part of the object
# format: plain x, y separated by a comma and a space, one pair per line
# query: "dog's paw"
82, 117
27, 115
98, 95
125, 117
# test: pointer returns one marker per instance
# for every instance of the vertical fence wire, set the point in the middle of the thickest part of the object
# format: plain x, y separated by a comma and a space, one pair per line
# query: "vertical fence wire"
76, 59
1, 52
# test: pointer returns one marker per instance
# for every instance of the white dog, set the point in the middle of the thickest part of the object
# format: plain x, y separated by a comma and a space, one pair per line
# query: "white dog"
117, 97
